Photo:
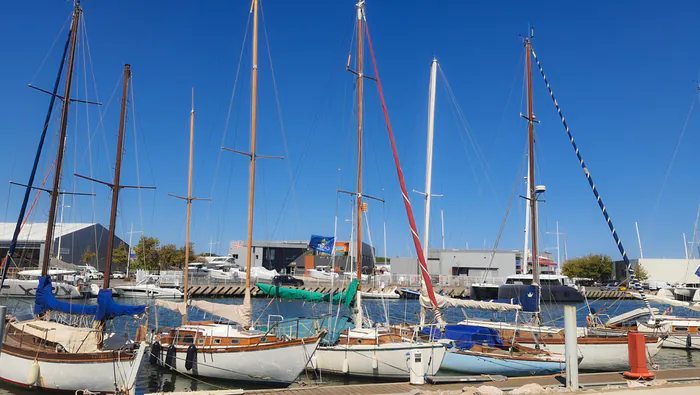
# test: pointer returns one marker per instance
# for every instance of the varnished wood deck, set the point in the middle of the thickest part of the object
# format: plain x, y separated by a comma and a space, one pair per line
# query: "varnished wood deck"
585, 380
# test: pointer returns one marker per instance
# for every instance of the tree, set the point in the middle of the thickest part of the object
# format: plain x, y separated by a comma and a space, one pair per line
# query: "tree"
88, 255
120, 255
193, 256
641, 273
147, 255
595, 266
171, 256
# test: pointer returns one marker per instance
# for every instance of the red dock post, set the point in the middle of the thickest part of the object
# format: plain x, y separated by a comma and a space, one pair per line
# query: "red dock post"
638, 358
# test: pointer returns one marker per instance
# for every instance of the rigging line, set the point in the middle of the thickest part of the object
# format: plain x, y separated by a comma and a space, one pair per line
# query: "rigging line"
673, 157
279, 115
228, 118
505, 216
632, 276
48, 53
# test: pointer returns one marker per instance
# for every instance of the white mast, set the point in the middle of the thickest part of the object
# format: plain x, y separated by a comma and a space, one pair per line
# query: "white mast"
429, 158
558, 252
639, 241
685, 246
523, 264
442, 220
128, 257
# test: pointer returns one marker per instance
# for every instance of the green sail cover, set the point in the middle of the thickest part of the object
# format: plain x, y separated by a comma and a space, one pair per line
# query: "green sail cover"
310, 296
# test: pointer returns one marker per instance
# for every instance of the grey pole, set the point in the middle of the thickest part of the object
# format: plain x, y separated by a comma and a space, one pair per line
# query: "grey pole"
570, 339
3, 310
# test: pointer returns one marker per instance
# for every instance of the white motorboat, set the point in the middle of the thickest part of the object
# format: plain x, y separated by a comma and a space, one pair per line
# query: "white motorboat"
25, 286
226, 272
381, 294
261, 274
323, 273
148, 288
686, 291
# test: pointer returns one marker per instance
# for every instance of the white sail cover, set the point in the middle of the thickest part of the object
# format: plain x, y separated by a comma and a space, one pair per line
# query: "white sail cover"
240, 314
669, 301
178, 307
445, 301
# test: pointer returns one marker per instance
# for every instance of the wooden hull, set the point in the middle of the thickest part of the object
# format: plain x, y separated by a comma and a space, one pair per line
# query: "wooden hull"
71, 372
391, 359
512, 366
278, 364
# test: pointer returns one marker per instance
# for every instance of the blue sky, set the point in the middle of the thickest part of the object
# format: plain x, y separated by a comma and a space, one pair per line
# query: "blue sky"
625, 74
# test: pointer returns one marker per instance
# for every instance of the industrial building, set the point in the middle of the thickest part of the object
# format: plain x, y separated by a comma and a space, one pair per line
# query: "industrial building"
672, 271
74, 240
284, 256
461, 262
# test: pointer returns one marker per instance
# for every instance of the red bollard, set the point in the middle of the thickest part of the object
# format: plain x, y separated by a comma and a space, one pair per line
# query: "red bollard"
638, 358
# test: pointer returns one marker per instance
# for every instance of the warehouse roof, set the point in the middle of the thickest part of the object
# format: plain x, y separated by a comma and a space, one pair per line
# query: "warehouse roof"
36, 232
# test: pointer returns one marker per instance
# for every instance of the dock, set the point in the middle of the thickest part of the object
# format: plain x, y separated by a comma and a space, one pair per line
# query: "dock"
237, 290
587, 381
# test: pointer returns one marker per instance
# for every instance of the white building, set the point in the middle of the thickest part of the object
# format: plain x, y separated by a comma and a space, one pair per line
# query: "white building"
672, 271
460, 262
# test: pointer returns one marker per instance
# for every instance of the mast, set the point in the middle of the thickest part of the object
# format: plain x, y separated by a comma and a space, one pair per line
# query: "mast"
360, 83
189, 210
429, 157
639, 241
531, 166
55, 191
527, 224
116, 186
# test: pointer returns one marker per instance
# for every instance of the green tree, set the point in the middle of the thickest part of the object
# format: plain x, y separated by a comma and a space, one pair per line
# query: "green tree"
641, 273
595, 266
193, 256
170, 256
120, 255
88, 255
147, 254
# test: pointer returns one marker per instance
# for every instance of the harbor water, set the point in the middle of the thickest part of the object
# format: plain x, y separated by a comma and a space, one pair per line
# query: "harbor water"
156, 379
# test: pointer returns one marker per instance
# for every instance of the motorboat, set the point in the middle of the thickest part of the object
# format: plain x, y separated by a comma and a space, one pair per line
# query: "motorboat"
259, 273
226, 272
483, 291
147, 288
381, 294
323, 273
26, 284
554, 288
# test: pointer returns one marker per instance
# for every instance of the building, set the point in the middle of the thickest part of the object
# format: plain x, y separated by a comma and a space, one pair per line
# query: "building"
461, 262
284, 255
75, 239
672, 271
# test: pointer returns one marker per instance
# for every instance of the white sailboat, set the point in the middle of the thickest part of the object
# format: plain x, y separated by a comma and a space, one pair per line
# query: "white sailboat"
25, 286
235, 350
372, 351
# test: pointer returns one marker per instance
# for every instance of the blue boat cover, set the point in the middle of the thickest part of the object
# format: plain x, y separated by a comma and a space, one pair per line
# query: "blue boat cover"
46, 301
107, 308
530, 299
465, 336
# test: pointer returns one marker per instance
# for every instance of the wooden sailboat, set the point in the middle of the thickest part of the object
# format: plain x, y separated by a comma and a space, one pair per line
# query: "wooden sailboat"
226, 350
44, 353
373, 351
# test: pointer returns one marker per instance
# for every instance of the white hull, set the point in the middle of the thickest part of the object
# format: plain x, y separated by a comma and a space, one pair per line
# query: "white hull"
685, 293
147, 291
220, 275
381, 295
673, 328
27, 289
601, 356
279, 365
391, 359
321, 275
72, 376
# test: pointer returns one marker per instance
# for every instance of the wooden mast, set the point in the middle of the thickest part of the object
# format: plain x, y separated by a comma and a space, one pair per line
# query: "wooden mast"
253, 133
189, 209
360, 78
531, 166
116, 186
55, 191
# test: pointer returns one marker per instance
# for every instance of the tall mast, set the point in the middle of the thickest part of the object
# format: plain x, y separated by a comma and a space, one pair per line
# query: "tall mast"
55, 191
429, 158
531, 165
360, 83
189, 209
527, 223
253, 131
116, 186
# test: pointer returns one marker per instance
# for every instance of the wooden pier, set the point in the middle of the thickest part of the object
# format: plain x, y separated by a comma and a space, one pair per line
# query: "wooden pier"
587, 381
237, 290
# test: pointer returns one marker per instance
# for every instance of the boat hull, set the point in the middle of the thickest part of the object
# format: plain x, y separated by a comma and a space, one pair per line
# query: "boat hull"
137, 291
280, 365
480, 363
65, 372
550, 293
16, 288
392, 361
483, 292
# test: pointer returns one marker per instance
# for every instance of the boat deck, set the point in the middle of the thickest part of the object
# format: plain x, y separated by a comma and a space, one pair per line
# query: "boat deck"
586, 380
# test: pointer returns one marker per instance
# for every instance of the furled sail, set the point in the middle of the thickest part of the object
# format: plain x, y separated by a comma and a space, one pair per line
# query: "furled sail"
310, 296
107, 308
445, 301
45, 301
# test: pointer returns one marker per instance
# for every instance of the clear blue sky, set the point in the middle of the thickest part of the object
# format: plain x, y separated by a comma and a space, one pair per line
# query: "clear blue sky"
624, 72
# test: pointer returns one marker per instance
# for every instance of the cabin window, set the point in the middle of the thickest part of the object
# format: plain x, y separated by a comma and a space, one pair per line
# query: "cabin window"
188, 339
680, 329
217, 341
234, 341
359, 341
263, 339
200, 341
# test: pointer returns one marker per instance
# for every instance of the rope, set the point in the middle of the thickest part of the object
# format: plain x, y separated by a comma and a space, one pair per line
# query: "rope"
406, 201
633, 278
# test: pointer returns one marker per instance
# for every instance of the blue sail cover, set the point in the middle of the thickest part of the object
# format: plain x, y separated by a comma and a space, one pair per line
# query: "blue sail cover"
529, 299
46, 301
107, 308
466, 336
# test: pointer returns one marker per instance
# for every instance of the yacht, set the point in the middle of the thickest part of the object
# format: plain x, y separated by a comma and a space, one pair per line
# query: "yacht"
323, 273
148, 288
555, 288
686, 292
28, 281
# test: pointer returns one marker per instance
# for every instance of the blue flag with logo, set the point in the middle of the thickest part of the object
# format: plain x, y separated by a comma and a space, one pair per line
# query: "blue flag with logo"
322, 244
697, 272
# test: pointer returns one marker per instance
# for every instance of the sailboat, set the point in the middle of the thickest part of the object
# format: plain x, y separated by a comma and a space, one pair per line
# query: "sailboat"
53, 351
223, 349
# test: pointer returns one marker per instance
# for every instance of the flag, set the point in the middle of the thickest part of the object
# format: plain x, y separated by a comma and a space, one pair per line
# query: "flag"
322, 244
697, 272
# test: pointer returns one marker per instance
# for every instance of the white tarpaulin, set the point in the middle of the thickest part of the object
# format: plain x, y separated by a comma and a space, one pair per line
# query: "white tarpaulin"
240, 314
445, 301
178, 307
